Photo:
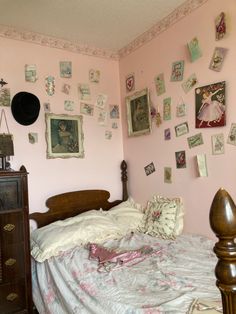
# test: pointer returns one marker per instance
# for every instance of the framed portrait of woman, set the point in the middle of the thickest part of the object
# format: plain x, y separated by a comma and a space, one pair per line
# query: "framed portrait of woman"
138, 113
64, 135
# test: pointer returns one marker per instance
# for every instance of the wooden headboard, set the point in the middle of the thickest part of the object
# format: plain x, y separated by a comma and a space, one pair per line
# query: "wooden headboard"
70, 204
223, 223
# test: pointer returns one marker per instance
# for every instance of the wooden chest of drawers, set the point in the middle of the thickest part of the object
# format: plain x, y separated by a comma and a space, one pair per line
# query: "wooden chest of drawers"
15, 269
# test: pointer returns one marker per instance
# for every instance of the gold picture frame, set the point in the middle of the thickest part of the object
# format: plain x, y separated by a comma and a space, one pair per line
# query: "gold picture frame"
64, 136
138, 113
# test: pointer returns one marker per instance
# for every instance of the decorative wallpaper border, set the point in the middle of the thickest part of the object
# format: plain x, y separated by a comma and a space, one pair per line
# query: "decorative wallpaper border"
52, 42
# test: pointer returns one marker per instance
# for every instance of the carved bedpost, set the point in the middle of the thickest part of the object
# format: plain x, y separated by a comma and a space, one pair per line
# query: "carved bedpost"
124, 180
223, 224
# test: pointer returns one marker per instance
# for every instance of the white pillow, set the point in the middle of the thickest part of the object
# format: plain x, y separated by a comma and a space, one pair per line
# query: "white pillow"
129, 203
164, 217
92, 226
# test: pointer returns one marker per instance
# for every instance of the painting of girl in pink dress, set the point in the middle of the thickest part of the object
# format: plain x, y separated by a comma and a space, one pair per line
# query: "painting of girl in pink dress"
210, 105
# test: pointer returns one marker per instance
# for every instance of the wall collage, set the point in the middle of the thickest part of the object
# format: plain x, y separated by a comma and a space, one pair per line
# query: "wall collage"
209, 105
64, 132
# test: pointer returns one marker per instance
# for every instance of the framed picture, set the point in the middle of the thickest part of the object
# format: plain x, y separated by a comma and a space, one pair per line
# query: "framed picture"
64, 136
177, 71
217, 141
138, 113
181, 129
195, 140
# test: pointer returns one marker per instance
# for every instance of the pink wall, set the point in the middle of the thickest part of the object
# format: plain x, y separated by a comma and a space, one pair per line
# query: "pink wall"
101, 165
157, 57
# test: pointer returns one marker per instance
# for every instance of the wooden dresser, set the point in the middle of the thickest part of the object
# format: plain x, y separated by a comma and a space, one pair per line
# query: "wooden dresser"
15, 270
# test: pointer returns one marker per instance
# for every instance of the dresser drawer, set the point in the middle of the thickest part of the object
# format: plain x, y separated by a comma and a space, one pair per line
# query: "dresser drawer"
11, 227
13, 262
12, 298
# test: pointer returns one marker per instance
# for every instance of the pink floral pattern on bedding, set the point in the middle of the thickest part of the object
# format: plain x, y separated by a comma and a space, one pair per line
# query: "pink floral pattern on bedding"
161, 283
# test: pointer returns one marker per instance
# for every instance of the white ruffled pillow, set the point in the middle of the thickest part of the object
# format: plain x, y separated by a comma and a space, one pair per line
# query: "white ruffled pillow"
164, 217
92, 226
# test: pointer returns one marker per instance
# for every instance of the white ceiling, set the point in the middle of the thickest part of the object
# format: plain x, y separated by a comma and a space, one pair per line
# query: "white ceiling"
104, 24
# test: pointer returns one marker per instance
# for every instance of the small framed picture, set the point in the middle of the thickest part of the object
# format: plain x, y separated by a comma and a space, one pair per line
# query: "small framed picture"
66, 69
195, 140
181, 129
177, 71
167, 175
138, 113
149, 169
180, 159
217, 141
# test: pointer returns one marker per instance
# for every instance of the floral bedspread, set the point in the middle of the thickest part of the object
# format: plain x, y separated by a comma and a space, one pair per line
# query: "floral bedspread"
166, 282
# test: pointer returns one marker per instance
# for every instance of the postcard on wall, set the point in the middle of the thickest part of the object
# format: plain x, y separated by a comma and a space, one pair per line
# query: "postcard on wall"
218, 59
5, 97
217, 141
65, 69
195, 140
210, 105
114, 125
69, 105
108, 134
194, 49
167, 174
167, 108
130, 82
202, 165
167, 134
149, 169
86, 109
181, 129
50, 85
177, 71
101, 101
102, 117
47, 107
232, 134
181, 109
33, 137
30, 73
189, 83
114, 111
180, 158
84, 91
160, 84
94, 76
66, 89
220, 26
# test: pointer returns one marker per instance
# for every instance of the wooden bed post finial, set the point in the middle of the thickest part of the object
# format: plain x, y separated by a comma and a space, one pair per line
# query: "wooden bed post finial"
223, 224
124, 180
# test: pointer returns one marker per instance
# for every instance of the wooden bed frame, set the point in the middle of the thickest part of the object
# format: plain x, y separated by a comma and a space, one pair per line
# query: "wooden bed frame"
70, 204
222, 221
223, 224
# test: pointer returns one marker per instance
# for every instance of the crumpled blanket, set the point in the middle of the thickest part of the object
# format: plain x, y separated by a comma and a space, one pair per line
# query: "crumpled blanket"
109, 258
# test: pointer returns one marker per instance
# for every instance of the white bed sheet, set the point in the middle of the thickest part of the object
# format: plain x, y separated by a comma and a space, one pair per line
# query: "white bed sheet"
166, 282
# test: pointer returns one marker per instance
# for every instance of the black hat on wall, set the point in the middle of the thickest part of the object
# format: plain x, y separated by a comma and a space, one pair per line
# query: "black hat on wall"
25, 108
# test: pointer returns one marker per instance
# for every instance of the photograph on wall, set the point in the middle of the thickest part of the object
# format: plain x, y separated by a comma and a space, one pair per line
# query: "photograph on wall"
220, 26
5, 97
149, 169
167, 134
195, 140
167, 109
202, 165
130, 82
181, 109
102, 117
167, 174
194, 49
47, 107
114, 111
64, 135
218, 59
217, 141
69, 105
101, 101
181, 129
66, 89
210, 105
180, 158
138, 113
177, 71
65, 69
160, 84
30, 73
86, 109
232, 134
189, 83
84, 91
33, 137
108, 135
94, 76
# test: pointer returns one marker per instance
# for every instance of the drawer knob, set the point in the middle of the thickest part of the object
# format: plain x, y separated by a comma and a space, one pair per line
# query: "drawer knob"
9, 227
12, 296
10, 262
